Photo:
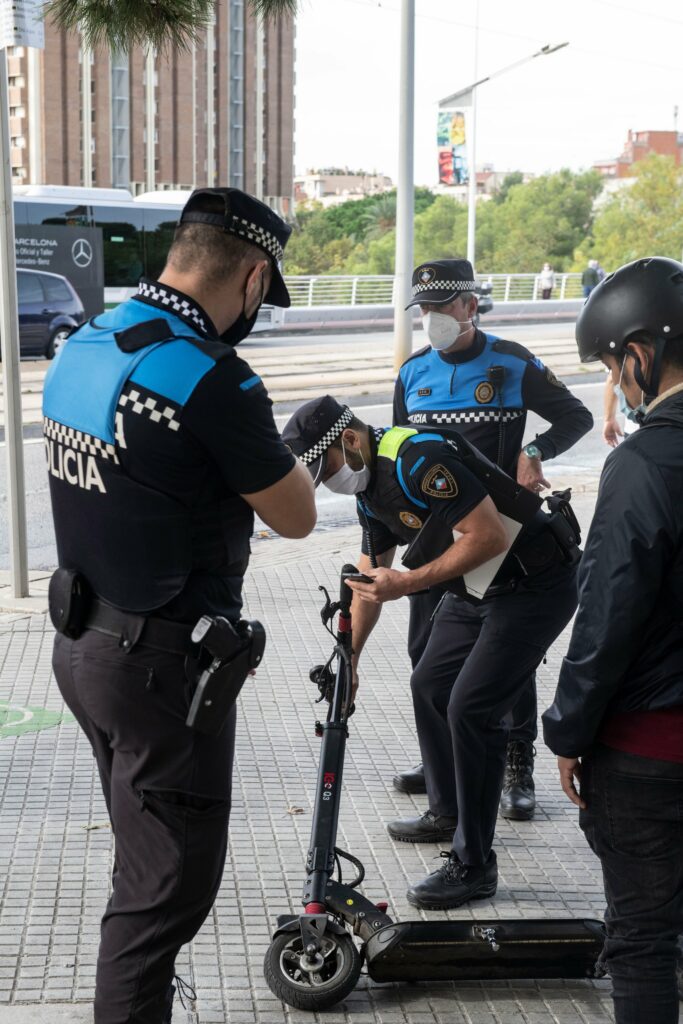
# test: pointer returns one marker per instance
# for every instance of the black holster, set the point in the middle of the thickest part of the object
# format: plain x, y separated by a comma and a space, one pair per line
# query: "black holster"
564, 525
232, 651
69, 598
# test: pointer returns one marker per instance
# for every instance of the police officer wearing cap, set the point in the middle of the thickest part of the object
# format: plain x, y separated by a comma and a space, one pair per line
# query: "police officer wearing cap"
483, 386
161, 447
617, 719
472, 670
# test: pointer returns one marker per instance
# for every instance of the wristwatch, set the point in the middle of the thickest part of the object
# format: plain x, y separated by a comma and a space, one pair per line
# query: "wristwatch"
532, 451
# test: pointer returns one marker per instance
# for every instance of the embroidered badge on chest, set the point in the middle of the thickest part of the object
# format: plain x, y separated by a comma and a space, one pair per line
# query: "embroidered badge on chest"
484, 392
439, 483
408, 519
423, 392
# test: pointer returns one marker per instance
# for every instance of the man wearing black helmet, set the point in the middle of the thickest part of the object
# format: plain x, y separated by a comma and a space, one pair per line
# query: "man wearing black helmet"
161, 446
617, 720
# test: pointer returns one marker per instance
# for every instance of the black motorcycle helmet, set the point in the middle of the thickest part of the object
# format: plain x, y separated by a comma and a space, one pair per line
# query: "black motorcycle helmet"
645, 296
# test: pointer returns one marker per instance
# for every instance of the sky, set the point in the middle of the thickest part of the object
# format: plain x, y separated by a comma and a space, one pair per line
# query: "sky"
621, 70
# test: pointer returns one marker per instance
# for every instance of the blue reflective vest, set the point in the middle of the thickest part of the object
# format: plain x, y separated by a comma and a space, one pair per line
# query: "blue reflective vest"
135, 545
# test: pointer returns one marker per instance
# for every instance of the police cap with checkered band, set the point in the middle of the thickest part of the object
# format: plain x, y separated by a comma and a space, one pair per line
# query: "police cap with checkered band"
440, 281
247, 218
313, 428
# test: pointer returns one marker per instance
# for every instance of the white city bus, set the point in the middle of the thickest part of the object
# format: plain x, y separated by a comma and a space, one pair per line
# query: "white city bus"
136, 232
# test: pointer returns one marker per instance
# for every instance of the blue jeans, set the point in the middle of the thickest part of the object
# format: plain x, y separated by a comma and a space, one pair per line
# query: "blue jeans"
634, 823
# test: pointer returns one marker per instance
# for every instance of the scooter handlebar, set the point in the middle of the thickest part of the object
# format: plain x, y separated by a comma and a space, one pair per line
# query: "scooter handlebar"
345, 592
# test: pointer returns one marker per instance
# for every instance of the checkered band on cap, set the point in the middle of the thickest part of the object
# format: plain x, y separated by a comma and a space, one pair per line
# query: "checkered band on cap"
444, 286
258, 235
321, 446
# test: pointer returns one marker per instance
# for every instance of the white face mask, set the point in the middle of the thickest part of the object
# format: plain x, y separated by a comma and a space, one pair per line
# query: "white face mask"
347, 480
443, 330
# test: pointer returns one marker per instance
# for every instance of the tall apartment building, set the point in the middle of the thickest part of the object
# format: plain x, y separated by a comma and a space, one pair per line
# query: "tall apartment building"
215, 119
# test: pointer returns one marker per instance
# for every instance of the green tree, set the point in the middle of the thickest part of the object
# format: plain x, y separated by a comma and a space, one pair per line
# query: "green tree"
514, 178
645, 219
380, 217
544, 219
437, 229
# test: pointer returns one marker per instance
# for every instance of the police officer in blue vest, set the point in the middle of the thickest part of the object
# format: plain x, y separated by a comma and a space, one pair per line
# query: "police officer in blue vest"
161, 447
478, 657
482, 386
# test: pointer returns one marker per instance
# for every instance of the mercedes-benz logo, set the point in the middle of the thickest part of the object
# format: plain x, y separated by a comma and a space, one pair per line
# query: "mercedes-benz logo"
81, 252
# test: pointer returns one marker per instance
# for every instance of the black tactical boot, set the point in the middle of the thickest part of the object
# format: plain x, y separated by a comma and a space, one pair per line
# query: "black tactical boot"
412, 781
455, 883
518, 800
428, 828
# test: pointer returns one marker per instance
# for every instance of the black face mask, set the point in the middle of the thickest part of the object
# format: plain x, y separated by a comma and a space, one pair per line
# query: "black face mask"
243, 325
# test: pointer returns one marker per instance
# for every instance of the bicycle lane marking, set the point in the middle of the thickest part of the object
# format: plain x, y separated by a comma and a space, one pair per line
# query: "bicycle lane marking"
17, 719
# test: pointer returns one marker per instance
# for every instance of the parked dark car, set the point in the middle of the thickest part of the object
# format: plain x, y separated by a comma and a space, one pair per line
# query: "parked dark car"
49, 309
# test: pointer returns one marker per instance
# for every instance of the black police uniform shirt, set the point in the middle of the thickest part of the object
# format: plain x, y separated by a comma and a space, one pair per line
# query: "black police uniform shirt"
484, 392
427, 477
197, 443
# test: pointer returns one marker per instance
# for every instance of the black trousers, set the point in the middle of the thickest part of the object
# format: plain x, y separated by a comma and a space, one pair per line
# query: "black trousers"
634, 823
167, 790
476, 663
524, 723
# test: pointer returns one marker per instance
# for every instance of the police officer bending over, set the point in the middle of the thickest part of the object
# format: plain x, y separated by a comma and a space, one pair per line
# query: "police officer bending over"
472, 670
483, 386
617, 719
161, 446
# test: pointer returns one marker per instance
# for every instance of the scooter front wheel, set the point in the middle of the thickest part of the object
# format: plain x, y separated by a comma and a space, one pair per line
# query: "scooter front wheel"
311, 983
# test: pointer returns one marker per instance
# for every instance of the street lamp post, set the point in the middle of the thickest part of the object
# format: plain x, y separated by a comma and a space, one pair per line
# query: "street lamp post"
405, 194
469, 95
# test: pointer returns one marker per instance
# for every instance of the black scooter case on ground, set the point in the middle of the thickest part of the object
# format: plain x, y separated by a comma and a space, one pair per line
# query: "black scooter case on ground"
483, 950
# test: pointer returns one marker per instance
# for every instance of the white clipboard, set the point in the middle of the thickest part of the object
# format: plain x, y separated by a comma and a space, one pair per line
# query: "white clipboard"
479, 580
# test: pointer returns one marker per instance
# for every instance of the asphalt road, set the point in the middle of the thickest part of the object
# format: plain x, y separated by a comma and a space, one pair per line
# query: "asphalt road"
584, 460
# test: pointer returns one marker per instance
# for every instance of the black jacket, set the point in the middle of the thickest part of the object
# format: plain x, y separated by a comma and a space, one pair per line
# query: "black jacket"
626, 648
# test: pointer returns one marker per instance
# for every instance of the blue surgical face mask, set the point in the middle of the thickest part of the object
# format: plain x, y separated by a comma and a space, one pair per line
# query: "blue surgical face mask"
634, 415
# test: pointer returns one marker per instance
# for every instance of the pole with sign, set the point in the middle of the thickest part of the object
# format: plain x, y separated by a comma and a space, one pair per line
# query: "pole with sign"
21, 24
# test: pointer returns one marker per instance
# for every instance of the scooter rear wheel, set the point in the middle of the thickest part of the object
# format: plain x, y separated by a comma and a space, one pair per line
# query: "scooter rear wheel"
316, 984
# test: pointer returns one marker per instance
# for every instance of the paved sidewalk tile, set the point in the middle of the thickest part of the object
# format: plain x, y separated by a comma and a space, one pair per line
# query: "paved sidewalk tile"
56, 845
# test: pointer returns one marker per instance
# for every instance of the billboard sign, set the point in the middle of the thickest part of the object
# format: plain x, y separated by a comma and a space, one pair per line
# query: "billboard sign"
451, 141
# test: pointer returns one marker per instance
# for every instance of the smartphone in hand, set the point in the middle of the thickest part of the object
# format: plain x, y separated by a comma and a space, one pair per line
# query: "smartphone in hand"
357, 577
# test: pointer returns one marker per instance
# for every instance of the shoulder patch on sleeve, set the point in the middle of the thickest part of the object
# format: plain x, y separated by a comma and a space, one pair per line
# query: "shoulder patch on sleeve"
513, 348
438, 482
416, 355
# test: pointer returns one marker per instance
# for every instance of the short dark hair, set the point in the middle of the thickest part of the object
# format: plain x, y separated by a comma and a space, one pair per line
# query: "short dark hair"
354, 424
672, 355
217, 253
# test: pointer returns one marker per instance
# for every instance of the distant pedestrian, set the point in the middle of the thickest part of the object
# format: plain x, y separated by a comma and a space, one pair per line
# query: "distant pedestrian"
546, 281
602, 273
589, 278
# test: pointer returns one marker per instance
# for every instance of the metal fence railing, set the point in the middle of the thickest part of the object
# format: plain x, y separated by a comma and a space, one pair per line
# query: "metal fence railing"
378, 290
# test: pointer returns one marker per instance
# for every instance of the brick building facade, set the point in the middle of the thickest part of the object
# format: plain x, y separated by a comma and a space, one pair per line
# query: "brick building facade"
214, 81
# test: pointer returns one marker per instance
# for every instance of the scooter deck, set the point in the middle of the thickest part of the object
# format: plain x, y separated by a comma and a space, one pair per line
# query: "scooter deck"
477, 950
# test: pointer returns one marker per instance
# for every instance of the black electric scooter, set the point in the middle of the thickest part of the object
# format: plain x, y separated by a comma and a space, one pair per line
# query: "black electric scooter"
313, 963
